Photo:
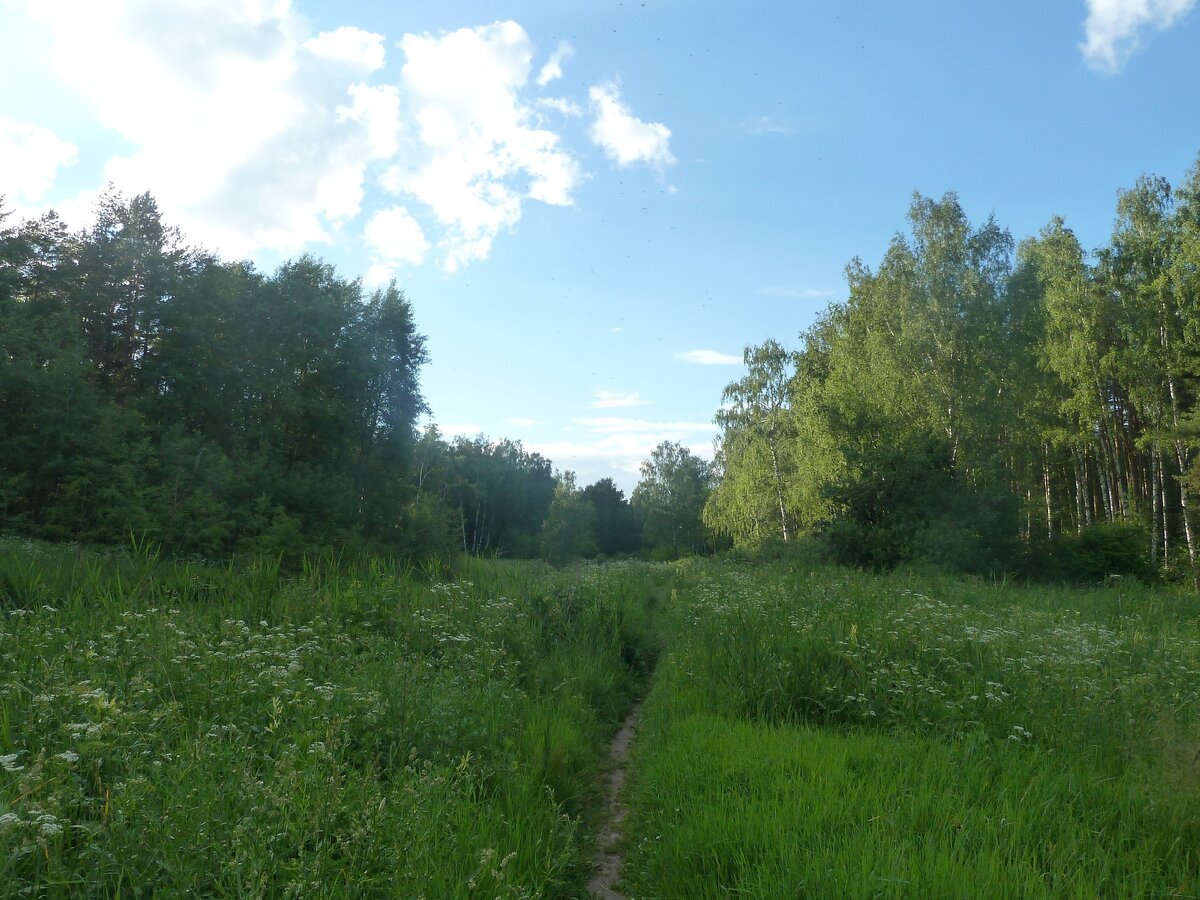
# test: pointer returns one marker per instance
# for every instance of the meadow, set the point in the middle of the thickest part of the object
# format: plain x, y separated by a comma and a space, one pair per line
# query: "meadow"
838, 734
359, 729
351, 730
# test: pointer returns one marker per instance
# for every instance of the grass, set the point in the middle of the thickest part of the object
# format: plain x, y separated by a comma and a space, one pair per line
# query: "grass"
355, 729
169, 727
844, 735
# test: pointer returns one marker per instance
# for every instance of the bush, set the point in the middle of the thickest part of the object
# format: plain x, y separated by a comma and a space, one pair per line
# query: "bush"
1099, 551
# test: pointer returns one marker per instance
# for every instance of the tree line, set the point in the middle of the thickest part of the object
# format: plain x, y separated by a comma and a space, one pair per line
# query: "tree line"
974, 403
984, 405
149, 389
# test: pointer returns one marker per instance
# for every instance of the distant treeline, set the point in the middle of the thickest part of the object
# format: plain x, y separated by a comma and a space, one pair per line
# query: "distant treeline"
151, 390
983, 405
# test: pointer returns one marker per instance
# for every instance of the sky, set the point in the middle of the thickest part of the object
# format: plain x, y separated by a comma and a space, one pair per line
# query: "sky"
593, 206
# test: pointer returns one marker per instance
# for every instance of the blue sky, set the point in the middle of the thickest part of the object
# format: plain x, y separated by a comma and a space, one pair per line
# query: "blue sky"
593, 206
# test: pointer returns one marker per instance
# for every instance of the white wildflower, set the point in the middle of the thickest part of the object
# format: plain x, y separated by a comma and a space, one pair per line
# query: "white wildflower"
9, 762
49, 826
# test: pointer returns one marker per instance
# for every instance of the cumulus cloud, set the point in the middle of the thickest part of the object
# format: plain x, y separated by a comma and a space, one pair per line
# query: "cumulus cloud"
477, 153
251, 132
709, 358
1114, 28
552, 70
349, 46
625, 138
257, 133
30, 157
394, 237
616, 399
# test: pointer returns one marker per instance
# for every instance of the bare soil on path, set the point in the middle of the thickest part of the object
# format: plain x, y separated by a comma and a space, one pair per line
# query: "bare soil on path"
608, 860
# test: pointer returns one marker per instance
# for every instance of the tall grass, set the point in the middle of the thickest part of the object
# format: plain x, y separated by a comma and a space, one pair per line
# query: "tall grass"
839, 734
168, 727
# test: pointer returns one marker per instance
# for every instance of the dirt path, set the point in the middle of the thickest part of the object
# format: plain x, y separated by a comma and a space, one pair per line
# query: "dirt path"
608, 860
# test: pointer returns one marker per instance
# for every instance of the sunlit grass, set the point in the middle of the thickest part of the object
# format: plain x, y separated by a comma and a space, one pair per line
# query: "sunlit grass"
167, 727
839, 734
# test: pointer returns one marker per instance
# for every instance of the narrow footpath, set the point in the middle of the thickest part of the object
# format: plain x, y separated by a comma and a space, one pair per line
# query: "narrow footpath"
609, 861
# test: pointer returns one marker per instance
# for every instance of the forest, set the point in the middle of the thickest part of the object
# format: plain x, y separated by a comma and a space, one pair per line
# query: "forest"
151, 391
982, 405
974, 404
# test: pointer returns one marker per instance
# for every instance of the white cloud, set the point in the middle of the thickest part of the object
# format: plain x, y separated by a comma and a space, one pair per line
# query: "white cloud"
456, 429
568, 108
1114, 28
616, 399
617, 444
350, 46
522, 422
625, 138
251, 132
30, 157
617, 425
782, 290
766, 125
255, 133
552, 70
476, 152
709, 358
394, 237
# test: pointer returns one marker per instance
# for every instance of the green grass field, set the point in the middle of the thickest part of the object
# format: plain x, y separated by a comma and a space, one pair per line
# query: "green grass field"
836, 734
167, 728
356, 730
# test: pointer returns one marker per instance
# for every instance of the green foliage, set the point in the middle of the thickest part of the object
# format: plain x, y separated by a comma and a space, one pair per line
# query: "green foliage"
146, 386
907, 504
670, 498
1105, 551
616, 526
569, 531
965, 407
349, 730
501, 492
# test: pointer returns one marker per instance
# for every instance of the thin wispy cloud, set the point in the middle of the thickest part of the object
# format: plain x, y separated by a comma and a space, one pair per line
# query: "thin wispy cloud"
618, 425
709, 358
522, 422
793, 293
619, 444
766, 125
617, 399
553, 70
1116, 29
566, 107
